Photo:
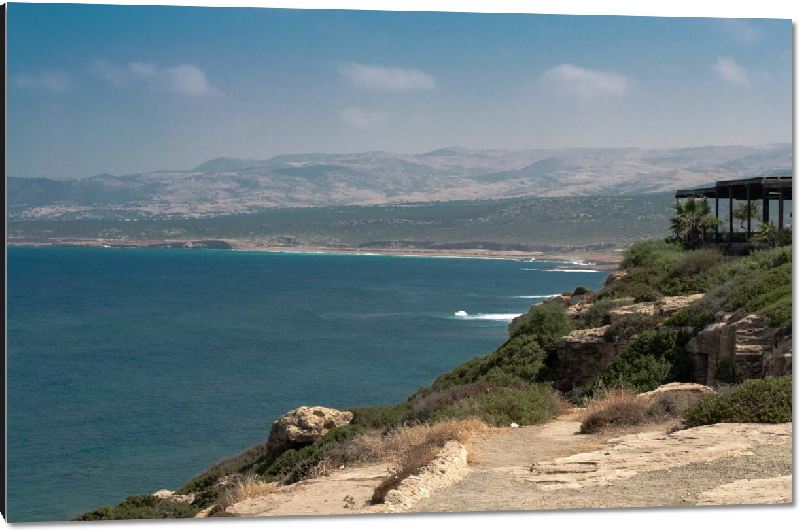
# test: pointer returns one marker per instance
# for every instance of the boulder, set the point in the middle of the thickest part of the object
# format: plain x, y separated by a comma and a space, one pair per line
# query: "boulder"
169, 495
304, 425
689, 391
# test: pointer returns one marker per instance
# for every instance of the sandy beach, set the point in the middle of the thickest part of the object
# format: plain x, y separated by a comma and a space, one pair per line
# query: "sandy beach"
572, 259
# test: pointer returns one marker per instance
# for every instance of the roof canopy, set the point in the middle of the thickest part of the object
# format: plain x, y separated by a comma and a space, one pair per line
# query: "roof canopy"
760, 187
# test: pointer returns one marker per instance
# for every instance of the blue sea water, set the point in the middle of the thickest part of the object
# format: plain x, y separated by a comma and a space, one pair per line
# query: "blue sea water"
130, 370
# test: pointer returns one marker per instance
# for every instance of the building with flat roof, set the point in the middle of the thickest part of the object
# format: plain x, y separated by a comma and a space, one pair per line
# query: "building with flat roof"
768, 190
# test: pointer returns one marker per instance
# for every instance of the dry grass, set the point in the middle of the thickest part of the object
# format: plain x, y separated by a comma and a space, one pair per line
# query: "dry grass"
614, 408
392, 446
246, 488
413, 447
618, 408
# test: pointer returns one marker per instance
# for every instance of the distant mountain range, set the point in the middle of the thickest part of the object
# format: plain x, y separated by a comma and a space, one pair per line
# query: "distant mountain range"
228, 185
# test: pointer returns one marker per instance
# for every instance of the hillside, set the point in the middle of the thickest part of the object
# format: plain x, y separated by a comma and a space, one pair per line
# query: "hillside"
519, 223
719, 323
226, 185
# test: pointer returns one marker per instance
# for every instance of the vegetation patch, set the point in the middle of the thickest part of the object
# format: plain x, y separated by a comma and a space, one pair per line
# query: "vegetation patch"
620, 407
767, 400
142, 507
295, 465
653, 359
500, 407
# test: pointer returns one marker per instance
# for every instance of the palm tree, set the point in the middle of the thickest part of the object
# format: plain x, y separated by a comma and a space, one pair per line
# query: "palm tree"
769, 233
693, 219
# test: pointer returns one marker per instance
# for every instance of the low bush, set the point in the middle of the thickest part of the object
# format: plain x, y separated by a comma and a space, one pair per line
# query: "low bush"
620, 407
630, 326
656, 357
246, 488
597, 314
500, 407
295, 465
382, 416
657, 253
767, 400
142, 507
230, 465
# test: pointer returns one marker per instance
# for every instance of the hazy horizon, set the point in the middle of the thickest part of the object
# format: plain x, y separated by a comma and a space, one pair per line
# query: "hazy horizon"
96, 89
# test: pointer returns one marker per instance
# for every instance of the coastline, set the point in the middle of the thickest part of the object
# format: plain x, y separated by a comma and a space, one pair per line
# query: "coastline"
605, 260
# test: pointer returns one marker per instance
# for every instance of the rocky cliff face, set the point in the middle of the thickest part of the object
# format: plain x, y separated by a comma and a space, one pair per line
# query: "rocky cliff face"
582, 355
737, 347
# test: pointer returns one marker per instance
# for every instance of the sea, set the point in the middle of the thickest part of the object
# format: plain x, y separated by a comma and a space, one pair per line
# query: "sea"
131, 370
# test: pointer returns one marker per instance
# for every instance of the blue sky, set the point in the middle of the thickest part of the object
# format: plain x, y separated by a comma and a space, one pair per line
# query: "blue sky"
124, 89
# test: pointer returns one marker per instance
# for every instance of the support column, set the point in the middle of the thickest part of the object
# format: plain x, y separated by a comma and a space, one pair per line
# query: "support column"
780, 209
749, 205
730, 214
764, 205
716, 213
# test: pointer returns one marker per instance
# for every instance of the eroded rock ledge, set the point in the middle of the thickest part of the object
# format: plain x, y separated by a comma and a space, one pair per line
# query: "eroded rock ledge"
449, 467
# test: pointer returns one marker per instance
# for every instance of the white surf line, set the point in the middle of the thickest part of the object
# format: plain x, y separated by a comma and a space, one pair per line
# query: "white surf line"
461, 314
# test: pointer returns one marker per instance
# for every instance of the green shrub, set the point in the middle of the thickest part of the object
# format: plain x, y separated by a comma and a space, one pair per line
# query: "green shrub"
767, 400
521, 358
294, 465
630, 326
657, 253
230, 465
504, 405
597, 314
382, 416
142, 507
653, 359
544, 324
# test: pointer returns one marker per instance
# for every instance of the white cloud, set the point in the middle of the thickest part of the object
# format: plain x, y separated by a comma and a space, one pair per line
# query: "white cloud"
50, 80
364, 119
740, 29
376, 77
731, 71
180, 79
585, 82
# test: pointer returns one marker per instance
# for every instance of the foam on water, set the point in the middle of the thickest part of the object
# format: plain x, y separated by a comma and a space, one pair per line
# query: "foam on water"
461, 314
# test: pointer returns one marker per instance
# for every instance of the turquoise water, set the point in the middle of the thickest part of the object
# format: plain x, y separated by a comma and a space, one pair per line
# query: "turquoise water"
130, 370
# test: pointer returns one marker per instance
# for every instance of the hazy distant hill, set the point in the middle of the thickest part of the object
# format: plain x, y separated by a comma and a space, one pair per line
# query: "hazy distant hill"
226, 185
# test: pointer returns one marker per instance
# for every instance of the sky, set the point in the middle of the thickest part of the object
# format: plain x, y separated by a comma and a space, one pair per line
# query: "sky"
125, 89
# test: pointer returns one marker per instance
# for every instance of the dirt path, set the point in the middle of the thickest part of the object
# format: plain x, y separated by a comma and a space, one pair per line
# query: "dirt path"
649, 468
343, 492
554, 467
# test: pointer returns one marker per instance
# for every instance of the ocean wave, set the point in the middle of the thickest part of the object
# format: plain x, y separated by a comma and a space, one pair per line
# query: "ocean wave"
528, 269
534, 296
576, 270
461, 314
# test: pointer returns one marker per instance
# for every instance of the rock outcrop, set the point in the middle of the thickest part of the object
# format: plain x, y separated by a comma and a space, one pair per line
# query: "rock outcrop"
691, 392
738, 347
663, 308
449, 467
582, 355
304, 425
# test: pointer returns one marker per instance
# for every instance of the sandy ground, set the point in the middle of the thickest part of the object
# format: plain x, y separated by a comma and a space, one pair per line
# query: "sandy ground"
554, 467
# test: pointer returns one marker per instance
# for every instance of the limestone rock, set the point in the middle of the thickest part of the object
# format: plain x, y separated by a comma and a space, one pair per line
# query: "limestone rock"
669, 305
614, 277
738, 347
305, 425
643, 308
692, 391
170, 495
582, 355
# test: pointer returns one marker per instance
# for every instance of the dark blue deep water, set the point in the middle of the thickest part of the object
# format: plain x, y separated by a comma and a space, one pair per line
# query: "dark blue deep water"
130, 370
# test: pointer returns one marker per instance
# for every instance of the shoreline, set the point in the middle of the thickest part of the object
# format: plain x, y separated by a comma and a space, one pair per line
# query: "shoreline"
572, 259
